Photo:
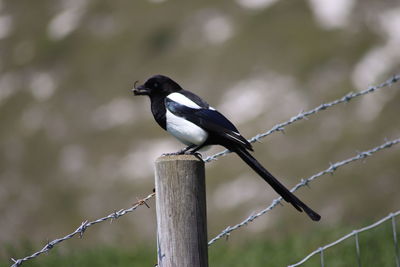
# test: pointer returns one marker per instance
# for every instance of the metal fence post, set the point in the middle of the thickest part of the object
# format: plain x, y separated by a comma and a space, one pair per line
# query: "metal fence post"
181, 211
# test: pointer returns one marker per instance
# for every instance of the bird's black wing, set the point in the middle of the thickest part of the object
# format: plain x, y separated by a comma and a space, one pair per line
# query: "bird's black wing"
216, 124
210, 120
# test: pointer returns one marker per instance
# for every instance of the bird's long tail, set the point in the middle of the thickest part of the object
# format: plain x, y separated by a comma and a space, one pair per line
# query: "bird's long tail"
276, 185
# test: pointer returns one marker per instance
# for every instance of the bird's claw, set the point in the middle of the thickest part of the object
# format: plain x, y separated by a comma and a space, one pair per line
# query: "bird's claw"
182, 152
173, 153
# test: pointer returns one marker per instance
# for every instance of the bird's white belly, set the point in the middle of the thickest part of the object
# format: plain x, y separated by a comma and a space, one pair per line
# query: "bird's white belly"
185, 131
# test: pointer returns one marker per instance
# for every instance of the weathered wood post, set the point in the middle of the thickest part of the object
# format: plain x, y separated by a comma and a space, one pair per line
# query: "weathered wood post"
181, 212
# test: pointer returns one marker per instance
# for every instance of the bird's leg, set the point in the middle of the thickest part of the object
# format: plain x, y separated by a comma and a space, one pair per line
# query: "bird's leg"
180, 152
195, 149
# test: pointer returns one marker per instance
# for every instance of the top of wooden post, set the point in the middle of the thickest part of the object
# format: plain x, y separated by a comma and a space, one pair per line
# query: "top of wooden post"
178, 157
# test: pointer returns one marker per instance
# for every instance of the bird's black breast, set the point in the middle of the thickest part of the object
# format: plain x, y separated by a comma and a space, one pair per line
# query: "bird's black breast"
159, 111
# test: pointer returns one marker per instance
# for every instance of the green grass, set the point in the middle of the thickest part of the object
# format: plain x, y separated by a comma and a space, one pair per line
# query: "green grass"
376, 249
98, 256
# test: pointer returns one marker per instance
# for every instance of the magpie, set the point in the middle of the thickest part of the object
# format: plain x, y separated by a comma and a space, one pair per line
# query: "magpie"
196, 124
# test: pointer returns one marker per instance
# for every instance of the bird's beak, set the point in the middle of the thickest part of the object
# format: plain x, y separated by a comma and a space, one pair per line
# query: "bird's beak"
140, 90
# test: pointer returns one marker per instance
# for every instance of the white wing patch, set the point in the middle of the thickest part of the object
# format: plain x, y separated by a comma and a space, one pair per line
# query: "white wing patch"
183, 100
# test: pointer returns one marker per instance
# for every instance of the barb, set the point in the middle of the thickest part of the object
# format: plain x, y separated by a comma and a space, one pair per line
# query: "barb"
303, 115
353, 233
82, 228
304, 182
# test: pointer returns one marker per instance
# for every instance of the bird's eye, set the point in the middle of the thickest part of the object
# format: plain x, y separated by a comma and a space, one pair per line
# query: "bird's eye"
155, 85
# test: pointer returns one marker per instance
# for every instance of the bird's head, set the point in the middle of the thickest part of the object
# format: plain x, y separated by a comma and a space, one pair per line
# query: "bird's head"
157, 85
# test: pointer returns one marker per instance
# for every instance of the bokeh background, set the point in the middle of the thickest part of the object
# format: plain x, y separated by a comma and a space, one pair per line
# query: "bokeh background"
75, 144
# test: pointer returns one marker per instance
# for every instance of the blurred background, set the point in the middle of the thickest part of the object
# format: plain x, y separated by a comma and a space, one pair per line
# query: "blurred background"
75, 144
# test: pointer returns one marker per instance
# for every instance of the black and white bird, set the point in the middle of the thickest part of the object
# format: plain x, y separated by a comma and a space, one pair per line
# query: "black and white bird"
196, 124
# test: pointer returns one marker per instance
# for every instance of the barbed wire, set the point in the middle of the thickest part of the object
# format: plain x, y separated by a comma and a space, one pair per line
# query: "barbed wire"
82, 228
305, 182
303, 115
355, 234
277, 128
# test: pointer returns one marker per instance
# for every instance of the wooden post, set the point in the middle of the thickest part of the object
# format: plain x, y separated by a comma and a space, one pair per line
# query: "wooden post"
181, 212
